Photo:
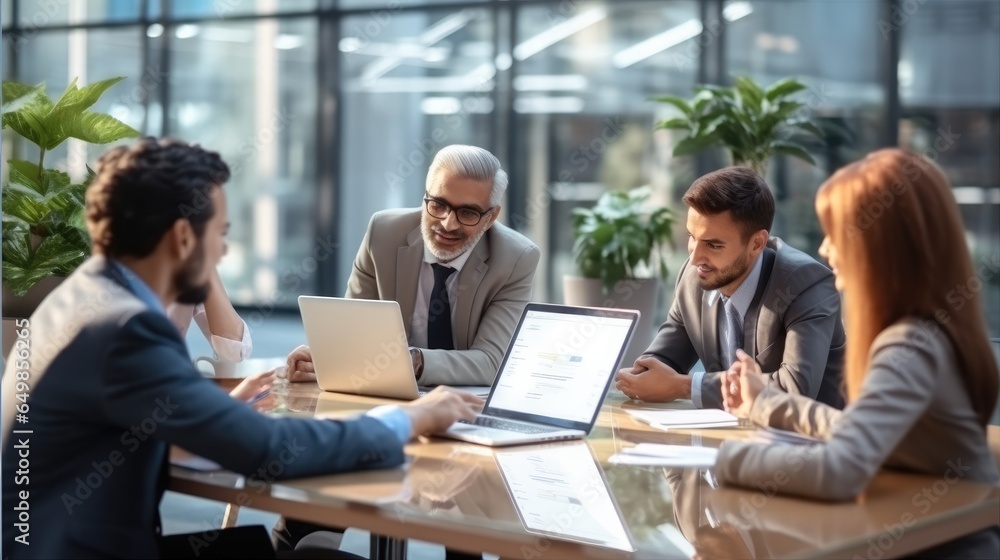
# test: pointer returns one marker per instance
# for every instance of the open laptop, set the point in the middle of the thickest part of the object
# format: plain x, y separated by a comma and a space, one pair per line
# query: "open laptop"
554, 376
359, 346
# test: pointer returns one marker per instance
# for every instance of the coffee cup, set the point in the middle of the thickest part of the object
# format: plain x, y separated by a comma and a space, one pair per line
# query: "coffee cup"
220, 368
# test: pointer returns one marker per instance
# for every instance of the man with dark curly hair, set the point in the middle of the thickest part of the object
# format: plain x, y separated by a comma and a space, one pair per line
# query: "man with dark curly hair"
112, 385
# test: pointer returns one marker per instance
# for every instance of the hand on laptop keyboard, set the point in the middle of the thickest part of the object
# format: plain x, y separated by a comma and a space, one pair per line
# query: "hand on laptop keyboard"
440, 408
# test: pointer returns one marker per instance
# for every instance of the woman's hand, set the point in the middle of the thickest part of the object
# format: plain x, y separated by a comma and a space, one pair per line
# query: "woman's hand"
741, 384
300, 365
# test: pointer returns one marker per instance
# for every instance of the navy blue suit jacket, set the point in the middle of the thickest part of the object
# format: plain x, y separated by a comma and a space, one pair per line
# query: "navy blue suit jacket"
112, 386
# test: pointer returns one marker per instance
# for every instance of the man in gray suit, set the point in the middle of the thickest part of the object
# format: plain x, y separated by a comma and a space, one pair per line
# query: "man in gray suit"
111, 385
741, 288
461, 279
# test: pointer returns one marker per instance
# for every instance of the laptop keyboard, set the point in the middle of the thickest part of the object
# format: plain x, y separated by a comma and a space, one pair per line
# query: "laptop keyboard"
501, 424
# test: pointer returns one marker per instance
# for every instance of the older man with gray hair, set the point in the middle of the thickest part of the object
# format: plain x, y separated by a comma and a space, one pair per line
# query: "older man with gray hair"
460, 278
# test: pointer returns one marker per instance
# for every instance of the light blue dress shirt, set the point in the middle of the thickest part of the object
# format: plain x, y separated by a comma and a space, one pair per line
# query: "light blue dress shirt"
395, 419
139, 287
741, 300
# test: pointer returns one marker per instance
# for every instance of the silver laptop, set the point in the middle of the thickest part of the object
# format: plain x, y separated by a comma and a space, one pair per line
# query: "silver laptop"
554, 376
359, 346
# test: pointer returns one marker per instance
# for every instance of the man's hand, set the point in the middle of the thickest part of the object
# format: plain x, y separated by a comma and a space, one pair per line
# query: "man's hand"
253, 386
651, 380
300, 365
439, 409
741, 385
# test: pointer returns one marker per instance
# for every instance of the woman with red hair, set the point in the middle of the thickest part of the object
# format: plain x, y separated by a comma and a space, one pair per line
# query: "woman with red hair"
921, 378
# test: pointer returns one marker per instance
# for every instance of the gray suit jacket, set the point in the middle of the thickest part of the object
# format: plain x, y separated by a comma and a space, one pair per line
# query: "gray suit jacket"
111, 386
913, 413
493, 288
793, 328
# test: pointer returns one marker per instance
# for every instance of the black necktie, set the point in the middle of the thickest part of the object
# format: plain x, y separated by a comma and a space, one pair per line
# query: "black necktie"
439, 311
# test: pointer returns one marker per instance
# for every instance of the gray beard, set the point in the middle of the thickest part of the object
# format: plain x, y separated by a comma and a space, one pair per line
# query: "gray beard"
448, 256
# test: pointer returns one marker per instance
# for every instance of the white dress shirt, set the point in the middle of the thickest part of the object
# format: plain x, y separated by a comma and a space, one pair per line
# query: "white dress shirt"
425, 284
225, 349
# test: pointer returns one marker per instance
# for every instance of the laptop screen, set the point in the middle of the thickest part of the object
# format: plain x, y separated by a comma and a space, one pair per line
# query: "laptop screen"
559, 364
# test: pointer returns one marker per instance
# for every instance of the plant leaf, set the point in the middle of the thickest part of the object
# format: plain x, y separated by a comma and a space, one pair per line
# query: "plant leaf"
676, 123
702, 100
75, 100
27, 123
96, 128
750, 93
692, 145
676, 102
792, 149
18, 96
783, 88
809, 127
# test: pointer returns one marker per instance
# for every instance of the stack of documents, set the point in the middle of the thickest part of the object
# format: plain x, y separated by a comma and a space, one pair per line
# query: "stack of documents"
774, 435
657, 455
686, 419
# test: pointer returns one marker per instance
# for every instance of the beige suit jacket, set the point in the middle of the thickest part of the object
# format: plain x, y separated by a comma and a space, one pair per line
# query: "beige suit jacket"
913, 413
493, 288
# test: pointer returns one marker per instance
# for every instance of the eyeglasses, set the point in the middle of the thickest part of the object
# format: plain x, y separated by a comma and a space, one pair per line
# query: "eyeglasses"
467, 216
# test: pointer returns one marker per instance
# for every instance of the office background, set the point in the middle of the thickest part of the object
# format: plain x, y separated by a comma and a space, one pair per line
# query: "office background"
330, 110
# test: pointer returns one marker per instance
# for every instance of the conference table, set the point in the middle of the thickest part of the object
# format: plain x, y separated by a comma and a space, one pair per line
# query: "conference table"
565, 500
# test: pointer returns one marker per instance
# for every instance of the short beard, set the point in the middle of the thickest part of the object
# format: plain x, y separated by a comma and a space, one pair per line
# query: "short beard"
727, 275
188, 291
448, 256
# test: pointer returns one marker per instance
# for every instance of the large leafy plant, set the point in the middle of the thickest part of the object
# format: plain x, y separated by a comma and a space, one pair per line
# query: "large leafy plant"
751, 122
43, 209
618, 234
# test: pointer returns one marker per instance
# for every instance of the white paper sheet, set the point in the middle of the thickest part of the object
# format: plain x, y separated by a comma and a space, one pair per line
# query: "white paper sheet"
676, 419
653, 454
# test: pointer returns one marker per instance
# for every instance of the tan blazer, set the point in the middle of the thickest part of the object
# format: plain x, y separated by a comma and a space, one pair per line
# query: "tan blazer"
913, 413
493, 288
793, 328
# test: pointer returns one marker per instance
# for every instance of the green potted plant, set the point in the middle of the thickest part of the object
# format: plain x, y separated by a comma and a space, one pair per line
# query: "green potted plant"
44, 233
619, 248
751, 122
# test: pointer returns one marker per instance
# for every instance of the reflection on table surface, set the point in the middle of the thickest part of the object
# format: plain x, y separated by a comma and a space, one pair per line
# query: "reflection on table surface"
565, 500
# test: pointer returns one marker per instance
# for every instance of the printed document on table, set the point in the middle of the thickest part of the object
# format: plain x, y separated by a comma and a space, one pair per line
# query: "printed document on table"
654, 454
701, 418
